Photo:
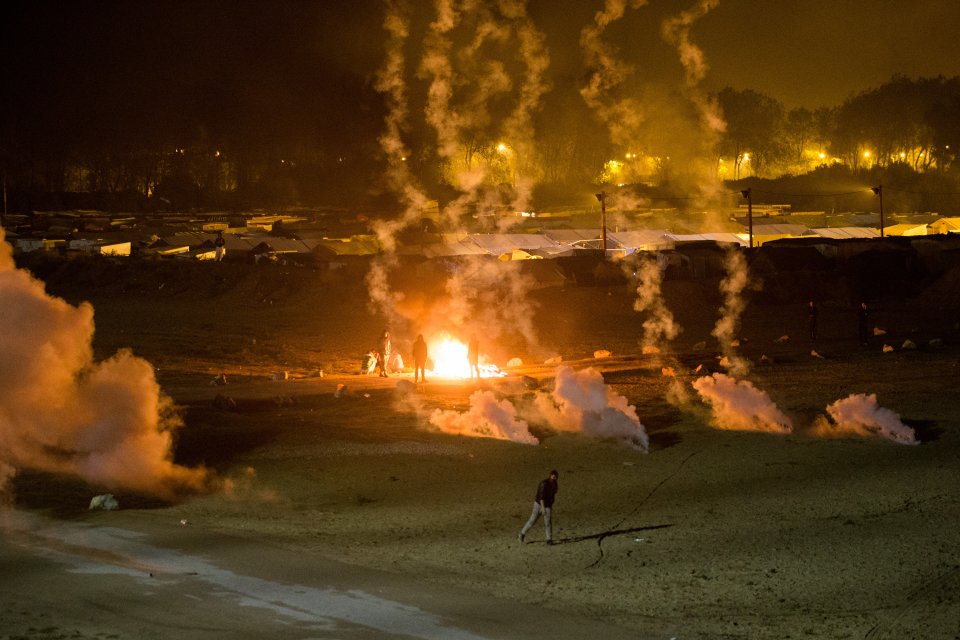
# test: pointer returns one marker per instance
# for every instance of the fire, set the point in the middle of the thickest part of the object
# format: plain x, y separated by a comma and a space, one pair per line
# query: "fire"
449, 357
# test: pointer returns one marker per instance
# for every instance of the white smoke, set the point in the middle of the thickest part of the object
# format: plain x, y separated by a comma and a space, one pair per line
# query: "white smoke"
582, 402
486, 418
858, 414
732, 286
622, 115
738, 405
660, 326
105, 422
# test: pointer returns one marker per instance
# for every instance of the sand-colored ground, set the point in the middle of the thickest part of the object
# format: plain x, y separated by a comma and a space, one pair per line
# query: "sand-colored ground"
712, 534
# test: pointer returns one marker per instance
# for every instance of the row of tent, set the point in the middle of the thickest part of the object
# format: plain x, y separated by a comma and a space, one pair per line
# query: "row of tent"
199, 245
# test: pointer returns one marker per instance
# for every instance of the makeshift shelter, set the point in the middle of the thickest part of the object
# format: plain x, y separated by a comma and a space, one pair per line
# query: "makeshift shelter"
906, 229
843, 233
945, 225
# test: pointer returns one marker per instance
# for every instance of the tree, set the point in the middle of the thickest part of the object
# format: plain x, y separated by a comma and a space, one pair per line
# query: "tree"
754, 126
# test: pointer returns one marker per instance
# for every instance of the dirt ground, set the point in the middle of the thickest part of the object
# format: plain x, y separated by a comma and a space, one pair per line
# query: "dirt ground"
712, 534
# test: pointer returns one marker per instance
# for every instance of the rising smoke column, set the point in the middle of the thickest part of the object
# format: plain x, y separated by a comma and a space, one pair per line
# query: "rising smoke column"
732, 286
738, 405
486, 418
623, 116
676, 31
463, 84
659, 327
860, 415
582, 402
105, 422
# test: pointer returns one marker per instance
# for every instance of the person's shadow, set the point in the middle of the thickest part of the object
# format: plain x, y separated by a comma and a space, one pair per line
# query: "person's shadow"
606, 534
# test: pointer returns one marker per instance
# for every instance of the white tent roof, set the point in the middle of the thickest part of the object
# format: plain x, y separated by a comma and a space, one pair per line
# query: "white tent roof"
731, 238
500, 243
840, 233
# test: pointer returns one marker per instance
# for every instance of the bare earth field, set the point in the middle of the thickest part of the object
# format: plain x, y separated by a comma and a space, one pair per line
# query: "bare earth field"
712, 534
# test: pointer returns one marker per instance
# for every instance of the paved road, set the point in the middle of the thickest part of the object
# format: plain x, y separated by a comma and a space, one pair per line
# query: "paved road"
94, 580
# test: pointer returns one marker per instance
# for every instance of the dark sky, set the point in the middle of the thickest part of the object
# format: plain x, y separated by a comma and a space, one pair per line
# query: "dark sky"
317, 56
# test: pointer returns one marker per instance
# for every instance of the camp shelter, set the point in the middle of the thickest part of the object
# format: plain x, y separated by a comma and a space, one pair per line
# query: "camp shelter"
945, 225
844, 233
518, 254
719, 238
763, 233
497, 244
906, 229
640, 240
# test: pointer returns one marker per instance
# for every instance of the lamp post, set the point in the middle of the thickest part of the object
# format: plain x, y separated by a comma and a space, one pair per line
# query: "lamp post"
602, 198
878, 191
748, 194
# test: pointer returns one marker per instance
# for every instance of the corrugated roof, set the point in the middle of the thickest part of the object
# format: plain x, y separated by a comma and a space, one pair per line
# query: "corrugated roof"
841, 233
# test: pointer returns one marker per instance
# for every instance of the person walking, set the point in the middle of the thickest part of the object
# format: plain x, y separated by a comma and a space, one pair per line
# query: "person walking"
543, 505
473, 356
419, 359
863, 322
385, 349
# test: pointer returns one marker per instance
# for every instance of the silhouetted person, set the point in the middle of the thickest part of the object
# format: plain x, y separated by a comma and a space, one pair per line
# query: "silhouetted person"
220, 244
863, 322
385, 349
543, 505
813, 311
473, 357
419, 359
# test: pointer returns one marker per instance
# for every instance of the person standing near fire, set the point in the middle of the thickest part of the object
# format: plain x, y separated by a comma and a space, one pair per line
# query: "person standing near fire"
543, 506
419, 359
473, 357
384, 348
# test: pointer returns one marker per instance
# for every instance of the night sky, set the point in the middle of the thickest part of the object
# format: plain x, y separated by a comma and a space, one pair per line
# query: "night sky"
67, 63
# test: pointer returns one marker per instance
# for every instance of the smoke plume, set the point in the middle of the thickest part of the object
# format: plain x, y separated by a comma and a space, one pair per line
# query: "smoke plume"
622, 115
738, 405
725, 331
105, 422
486, 418
859, 415
582, 402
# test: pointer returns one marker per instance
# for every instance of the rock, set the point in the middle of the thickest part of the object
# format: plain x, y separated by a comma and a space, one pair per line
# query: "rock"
554, 361
782, 339
649, 349
601, 353
514, 362
909, 344
668, 372
887, 348
224, 403
766, 359
105, 501
877, 331
814, 354
936, 343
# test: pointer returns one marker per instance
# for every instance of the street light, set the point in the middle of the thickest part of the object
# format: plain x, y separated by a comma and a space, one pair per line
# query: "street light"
748, 194
602, 199
878, 191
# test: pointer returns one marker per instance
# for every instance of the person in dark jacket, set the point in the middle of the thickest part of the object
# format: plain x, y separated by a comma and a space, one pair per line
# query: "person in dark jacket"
420, 359
542, 505
813, 311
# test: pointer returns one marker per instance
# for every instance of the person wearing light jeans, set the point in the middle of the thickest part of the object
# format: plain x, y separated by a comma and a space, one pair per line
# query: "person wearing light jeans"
543, 506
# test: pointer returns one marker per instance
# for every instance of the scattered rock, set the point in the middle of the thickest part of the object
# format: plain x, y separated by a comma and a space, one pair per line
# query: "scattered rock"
764, 359
909, 344
514, 362
649, 349
601, 353
735, 343
813, 353
782, 339
668, 372
105, 501
555, 360
224, 403
887, 348
877, 331
936, 343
